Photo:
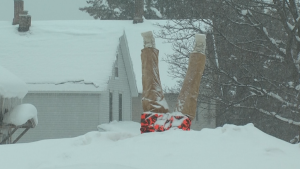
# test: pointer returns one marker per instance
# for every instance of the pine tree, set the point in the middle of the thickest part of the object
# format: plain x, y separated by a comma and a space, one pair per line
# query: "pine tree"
110, 9
120, 9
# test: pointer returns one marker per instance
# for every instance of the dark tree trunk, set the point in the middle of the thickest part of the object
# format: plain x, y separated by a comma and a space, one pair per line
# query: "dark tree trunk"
139, 11
18, 8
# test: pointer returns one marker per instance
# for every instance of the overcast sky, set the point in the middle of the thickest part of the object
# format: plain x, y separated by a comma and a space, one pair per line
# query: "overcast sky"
46, 9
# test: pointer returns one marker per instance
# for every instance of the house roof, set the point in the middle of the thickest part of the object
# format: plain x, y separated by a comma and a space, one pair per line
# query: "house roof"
75, 55
10, 85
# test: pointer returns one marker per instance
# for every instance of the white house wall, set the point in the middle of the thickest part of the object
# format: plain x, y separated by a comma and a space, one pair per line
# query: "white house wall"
124, 49
63, 115
104, 107
205, 117
120, 85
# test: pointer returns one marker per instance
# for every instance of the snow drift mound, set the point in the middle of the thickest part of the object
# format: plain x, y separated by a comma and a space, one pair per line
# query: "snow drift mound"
122, 126
227, 147
21, 114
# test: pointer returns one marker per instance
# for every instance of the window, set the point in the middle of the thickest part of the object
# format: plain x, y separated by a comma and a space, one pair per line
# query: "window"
110, 106
116, 72
120, 107
116, 67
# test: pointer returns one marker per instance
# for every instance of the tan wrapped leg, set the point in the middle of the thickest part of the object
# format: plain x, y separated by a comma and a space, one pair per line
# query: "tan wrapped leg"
153, 97
187, 99
154, 104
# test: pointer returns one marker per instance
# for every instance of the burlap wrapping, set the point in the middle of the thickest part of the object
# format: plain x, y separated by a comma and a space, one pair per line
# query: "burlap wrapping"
187, 99
153, 97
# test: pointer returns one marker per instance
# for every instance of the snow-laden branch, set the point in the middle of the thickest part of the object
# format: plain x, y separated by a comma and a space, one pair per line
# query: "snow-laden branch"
290, 121
278, 98
261, 91
274, 114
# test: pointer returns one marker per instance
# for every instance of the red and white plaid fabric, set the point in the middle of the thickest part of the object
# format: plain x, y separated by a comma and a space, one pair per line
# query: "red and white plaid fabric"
159, 122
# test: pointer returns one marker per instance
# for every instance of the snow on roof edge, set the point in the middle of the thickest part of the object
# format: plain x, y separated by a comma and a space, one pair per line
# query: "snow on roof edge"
10, 85
86, 32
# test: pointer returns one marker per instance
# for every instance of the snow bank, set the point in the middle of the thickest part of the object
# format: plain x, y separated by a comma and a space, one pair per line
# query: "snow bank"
21, 114
10, 85
228, 147
122, 126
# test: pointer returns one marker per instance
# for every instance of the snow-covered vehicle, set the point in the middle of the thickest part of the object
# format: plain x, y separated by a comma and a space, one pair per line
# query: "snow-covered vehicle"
13, 114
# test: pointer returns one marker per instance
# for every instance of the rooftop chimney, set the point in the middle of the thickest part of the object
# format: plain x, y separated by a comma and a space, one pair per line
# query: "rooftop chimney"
19, 7
24, 22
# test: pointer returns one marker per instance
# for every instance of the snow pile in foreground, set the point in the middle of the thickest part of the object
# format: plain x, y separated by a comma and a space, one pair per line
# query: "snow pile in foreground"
21, 114
123, 126
228, 147
10, 85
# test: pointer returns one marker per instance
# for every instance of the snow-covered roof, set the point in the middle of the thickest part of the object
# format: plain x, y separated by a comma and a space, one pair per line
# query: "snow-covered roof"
75, 55
10, 85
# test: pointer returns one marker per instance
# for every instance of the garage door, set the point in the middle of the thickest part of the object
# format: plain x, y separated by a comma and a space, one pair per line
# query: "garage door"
63, 115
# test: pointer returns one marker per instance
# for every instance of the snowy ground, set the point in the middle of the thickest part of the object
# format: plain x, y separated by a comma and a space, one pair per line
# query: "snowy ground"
122, 147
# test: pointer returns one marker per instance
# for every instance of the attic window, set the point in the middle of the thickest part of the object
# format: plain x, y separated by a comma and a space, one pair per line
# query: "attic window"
116, 67
116, 72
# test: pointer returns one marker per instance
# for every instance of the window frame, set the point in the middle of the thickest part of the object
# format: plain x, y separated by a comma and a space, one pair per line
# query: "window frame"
120, 107
117, 67
110, 106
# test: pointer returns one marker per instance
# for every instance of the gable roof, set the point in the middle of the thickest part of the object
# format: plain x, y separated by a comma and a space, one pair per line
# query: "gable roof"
75, 55
124, 49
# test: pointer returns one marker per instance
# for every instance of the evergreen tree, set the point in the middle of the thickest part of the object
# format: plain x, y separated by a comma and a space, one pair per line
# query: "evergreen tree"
120, 9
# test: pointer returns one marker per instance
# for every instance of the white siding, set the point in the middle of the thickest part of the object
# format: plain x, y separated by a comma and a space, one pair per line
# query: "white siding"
104, 107
128, 65
119, 85
206, 117
70, 114
63, 115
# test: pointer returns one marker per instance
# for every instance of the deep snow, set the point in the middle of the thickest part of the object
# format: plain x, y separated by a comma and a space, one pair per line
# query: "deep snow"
122, 147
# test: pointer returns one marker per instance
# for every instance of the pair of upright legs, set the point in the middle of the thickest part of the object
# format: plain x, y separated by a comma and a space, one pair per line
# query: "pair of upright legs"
156, 116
